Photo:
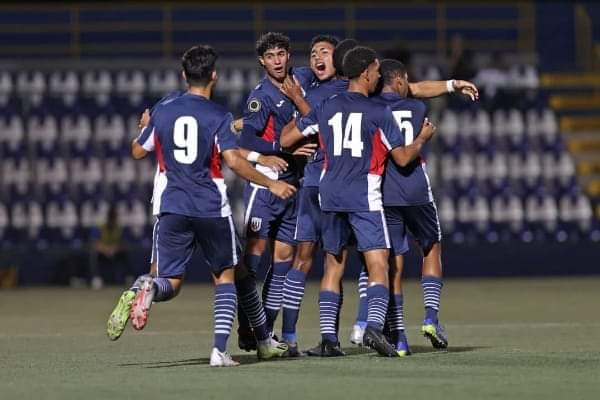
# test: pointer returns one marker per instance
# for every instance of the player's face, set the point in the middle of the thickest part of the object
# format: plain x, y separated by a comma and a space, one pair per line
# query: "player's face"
275, 62
373, 75
321, 60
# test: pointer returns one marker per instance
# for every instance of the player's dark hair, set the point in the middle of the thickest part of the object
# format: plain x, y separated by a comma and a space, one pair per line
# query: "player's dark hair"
272, 40
323, 38
198, 64
357, 60
390, 70
340, 51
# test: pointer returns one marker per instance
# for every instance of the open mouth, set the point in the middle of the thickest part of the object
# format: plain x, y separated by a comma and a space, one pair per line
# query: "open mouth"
278, 70
320, 67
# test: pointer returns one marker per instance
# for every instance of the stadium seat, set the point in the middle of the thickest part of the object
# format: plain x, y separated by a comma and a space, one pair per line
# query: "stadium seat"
541, 212
31, 87
98, 85
163, 82
109, 130
447, 213
449, 128
6, 87
575, 208
61, 218
52, 174
93, 213
131, 85
16, 174
515, 127
4, 220
77, 133
12, 134
42, 133
65, 86
132, 216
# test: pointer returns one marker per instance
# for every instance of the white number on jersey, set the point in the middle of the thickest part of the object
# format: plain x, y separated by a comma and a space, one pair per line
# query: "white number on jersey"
351, 137
406, 126
185, 136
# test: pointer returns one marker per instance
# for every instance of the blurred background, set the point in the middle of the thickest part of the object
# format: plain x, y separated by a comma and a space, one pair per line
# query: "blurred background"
516, 175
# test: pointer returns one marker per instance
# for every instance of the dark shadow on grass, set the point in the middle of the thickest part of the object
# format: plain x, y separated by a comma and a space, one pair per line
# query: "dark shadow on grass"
244, 359
451, 349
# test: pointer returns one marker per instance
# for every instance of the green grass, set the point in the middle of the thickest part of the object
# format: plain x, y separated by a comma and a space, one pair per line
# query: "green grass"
509, 339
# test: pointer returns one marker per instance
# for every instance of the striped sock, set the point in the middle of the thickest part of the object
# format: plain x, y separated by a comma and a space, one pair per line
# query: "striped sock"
432, 293
293, 293
328, 310
252, 263
395, 318
363, 280
378, 298
138, 282
250, 302
273, 291
224, 311
164, 289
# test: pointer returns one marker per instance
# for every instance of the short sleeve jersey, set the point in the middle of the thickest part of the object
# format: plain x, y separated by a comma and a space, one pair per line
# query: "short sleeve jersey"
356, 134
406, 186
188, 133
314, 96
267, 111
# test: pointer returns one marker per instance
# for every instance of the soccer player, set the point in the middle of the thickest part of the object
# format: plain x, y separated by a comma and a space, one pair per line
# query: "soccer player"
326, 64
409, 207
189, 134
267, 218
356, 135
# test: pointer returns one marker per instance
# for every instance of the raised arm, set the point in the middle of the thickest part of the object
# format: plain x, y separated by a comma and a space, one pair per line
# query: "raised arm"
430, 89
292, 89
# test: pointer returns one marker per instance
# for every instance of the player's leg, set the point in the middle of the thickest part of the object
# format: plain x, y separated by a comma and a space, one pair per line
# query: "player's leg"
358, 329
373, 240
307, 233
174, 248
225, 306
117, 321
283, 255
423, 223
399, 241
336, 233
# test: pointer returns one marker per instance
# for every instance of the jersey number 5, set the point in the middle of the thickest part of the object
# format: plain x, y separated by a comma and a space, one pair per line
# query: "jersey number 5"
185, 136
350, 138
404, 125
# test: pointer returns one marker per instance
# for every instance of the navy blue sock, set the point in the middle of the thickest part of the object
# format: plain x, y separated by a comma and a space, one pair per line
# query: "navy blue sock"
273, 291
252, 263
250, 302
432, 293
224, 313
164, 289
378, 297
293, 293
363, 307
328, 310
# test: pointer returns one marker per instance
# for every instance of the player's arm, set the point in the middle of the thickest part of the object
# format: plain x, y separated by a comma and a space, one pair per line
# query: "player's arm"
430, 89
299, 129
144, 143
256, 116
404, 155
244, 169
292, 89
275, 163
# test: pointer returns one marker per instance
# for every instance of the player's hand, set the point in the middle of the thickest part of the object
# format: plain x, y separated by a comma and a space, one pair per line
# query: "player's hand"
467, 88
275, 163
282, 189
427, 130
307, 149
291, 87
238, 124
144, 119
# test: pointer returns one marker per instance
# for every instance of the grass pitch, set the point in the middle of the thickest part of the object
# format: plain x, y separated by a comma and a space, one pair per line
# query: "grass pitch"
509, 339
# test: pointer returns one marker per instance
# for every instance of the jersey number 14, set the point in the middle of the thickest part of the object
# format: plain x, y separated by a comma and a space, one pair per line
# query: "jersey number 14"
350, 138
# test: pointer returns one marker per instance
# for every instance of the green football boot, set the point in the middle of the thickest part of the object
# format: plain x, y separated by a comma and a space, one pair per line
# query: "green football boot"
120, 315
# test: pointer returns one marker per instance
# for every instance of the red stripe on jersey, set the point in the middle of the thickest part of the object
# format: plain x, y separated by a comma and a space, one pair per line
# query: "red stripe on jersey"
378, 154
215, 163
269, 131
322, 145
159, 154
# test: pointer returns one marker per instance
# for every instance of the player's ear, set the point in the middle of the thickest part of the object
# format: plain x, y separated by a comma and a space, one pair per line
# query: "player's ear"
183, 76
214, 76
261, 61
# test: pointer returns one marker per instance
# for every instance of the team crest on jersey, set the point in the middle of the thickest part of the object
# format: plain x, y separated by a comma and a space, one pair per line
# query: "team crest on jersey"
255, 224
254, 105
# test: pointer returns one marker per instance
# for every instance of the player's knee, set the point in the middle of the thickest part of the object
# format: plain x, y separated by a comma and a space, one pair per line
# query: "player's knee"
283, 252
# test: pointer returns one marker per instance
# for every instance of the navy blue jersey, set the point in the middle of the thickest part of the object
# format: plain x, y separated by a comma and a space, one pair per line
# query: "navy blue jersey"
171, 96
406, 186
267, 111
315, 95
305, 77
357, 134
188, 133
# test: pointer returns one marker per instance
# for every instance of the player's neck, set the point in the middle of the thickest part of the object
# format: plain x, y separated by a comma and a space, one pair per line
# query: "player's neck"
275, 82
358, 87
205, 91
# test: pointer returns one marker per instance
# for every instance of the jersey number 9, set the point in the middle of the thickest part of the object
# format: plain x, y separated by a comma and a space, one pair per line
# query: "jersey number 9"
185, 136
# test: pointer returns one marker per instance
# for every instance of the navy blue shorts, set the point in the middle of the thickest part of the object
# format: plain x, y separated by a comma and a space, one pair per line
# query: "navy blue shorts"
308, 222
421, 221
368, 227
269, 217
177, 236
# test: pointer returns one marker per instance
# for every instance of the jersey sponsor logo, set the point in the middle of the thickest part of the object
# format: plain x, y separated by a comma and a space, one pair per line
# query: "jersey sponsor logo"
255, 224
278, 105
254, 105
